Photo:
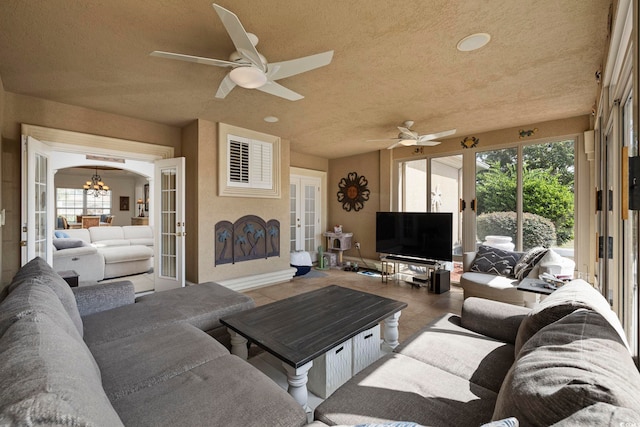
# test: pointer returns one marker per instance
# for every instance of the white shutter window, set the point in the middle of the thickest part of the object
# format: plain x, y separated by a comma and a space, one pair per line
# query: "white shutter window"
248, 163
238, 161
261, 164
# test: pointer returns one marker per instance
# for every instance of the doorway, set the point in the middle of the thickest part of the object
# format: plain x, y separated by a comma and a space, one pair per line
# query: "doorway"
61, 149
306, 210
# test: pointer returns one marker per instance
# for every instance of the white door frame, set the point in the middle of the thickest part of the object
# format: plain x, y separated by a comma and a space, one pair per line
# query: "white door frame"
31, 150
102, 148
310, 174
169, 217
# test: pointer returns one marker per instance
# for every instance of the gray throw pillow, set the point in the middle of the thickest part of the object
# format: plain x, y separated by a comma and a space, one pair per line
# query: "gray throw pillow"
68, 243
569, 298
529, 260
495, 261
575, 363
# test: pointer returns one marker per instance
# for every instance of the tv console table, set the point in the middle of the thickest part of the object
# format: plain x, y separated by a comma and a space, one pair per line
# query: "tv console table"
437, 278
395, 260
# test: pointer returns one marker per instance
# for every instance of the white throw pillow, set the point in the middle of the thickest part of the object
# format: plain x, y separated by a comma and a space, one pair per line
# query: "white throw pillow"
553, 263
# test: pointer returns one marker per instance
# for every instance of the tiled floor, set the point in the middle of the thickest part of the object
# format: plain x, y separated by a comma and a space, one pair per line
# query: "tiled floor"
423, 306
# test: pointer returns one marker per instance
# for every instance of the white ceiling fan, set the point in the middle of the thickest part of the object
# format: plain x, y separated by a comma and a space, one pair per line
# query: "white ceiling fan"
249, 69
409, 137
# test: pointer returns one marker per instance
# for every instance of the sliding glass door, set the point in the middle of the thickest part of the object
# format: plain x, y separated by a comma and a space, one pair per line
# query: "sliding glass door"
525, 196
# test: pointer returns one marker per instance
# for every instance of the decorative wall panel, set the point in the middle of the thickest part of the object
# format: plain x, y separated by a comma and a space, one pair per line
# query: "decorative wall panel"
250, 237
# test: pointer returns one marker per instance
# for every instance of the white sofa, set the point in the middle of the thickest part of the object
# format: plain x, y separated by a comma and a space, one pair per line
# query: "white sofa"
504, 288
107, 252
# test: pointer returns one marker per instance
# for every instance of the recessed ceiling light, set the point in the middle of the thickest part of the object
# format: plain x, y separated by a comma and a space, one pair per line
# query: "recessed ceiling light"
473, 42
271, 119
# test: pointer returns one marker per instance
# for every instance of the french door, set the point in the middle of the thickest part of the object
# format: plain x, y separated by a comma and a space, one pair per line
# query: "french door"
305, 208
37, 206
169, 223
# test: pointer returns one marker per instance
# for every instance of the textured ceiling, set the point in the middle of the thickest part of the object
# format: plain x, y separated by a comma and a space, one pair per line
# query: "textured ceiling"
393, 61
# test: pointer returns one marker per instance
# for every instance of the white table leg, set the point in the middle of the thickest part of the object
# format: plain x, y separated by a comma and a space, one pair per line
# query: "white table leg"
390, 333
238, 345
297, 379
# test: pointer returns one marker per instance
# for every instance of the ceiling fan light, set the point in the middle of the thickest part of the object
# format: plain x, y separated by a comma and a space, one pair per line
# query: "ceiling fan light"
407, 142
473, 42
248, 77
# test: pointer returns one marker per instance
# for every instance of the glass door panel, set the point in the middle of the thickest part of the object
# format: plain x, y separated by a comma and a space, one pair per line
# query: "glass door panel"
38, 203
304, 213
169, 221
415, 186
548, 185
445, 195
496, 197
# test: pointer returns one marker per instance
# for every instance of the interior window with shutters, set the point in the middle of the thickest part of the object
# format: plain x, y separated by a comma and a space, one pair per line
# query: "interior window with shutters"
250, 163
251, 166
238, 161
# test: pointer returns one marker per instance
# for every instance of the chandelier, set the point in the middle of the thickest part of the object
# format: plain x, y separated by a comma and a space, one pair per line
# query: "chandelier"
95, 187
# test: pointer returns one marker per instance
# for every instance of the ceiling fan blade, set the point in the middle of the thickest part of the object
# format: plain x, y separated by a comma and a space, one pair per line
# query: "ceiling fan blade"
226, 86
239, 36
281, 70
436, 135
429, 143
408, 132
277, 89
392, 146
190, 58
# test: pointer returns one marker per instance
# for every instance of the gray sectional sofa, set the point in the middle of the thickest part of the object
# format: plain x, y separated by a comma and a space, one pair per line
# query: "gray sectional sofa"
96, 356
566, 362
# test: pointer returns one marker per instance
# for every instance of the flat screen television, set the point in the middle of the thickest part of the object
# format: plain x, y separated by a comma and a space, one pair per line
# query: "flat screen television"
426, 235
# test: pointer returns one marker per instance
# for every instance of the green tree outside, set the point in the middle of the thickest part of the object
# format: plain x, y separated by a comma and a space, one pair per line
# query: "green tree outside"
547, 189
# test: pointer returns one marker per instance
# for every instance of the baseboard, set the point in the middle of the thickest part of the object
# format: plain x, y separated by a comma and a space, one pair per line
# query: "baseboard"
258, 280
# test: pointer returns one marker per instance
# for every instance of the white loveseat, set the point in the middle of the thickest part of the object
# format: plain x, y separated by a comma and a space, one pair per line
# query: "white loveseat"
105, 252
503, 287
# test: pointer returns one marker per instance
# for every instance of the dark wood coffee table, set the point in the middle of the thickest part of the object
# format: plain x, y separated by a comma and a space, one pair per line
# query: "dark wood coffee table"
297, 330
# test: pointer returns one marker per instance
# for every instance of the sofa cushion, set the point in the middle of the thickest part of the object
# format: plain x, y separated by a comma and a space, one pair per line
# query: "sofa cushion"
79, 233
138, 234
570, 297
575, 363
111, 243
106, 233
528, 261
471, 356
199, 305
68, 243
224, 391
495, 261
49, 378
399, 387
113, 255
38, 272
203, 304
132, 363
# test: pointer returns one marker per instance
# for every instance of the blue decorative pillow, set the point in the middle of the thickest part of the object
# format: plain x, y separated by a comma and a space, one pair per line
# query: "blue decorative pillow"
495, 261
61, 235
